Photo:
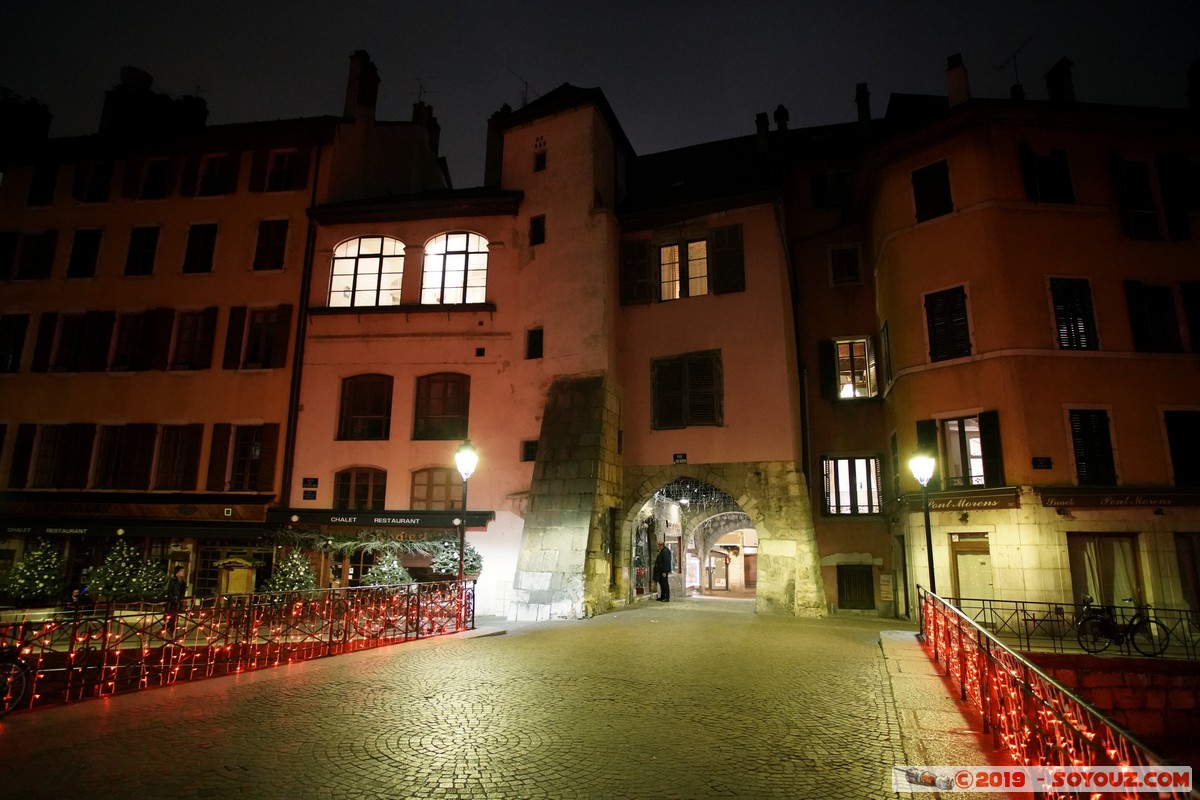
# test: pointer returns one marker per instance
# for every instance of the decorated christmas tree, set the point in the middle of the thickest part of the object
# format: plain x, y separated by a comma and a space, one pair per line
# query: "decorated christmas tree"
38, 577
445, 560
293, 573
387, 571
125, 576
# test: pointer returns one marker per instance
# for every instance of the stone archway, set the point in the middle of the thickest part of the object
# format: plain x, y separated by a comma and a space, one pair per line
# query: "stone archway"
774, 499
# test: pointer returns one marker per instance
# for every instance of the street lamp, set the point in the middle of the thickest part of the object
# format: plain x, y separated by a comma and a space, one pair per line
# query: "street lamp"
922, 469
466, 458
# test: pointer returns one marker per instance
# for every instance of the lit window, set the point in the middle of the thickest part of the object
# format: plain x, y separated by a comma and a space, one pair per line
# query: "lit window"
686, 278
851, 485
455, 269
855, 368
964, 452
367, 271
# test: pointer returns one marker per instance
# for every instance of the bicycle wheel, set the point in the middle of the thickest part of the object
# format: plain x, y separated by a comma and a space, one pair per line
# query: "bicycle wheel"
1094, 635
1150, 637
13, 681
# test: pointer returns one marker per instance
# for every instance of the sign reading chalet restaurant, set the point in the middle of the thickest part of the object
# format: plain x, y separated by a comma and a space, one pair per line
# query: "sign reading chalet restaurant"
1107, 498
382, 519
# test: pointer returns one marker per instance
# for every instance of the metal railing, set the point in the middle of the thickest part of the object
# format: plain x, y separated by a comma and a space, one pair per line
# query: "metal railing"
1032, 717
113, 648
1052, 626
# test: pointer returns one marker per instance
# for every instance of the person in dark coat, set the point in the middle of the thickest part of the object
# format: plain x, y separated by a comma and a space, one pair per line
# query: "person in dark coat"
662, 572
176, 590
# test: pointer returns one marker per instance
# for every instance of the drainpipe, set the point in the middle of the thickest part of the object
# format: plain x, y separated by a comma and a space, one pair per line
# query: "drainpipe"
293, 414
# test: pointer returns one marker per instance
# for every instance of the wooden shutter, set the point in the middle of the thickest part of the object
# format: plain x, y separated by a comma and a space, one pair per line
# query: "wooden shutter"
1190, 291
75, 456
637, 284
207, 336
927, 445
946, 317
157, 327
43, 348
8, 254
666, 388
80, 181
22, 457
92, 355
191, 176
230, 169
233, 337
218, 457
302, 159
703, 388
1183, 432
193, 440
728, 260
1173, 182
258, 170
1093, 448
280, 336
989, 442
827, 368
268, 450
136, 456
131, 183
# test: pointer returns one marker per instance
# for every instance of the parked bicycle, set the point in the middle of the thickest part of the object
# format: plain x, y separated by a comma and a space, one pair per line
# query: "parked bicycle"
1098, 628
14, 678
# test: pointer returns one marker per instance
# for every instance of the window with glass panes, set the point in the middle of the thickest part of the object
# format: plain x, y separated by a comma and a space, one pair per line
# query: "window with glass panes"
367, 271
360, 489
683, 270
436, 489
455, 269
852, 485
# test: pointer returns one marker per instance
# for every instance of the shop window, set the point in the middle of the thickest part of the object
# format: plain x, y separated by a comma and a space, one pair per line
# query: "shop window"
1105, 567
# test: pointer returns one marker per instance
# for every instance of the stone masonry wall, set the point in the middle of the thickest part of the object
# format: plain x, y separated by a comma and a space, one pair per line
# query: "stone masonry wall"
562, 570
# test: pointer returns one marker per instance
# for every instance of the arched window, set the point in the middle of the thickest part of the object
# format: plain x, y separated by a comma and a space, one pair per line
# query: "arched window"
436, 489
455, 269
367, 271
366, 411
360, 489
443, 401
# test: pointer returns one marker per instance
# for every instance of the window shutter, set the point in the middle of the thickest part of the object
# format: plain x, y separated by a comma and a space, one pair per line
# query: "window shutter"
1093, 448
44, 346
75, 455
302, 159
1029, 173
8, 254
231, 169
96, 339
1173, 182
666, 386
131, 183
79, 183
233, 337
946, 317
989, 442
258, 170
1074, 316
1122, 195
1061, 189
927, 445
703, 383
729, 273
827, 368
22, 457
192, 443
137, 456
218, 457
191, 176
280, 335
636, 281
207, 335
269, 448
1191, 311
1183, 432
156, 333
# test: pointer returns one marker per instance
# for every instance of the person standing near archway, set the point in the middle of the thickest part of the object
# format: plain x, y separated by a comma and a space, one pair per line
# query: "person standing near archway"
662, 572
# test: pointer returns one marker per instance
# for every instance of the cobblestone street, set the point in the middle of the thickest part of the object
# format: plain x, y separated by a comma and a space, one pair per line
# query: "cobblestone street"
695, 699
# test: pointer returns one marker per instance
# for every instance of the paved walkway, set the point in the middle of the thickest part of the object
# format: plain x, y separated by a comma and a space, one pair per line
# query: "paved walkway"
692, 699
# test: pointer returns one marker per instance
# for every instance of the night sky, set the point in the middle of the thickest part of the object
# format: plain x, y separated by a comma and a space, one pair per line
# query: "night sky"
676, 73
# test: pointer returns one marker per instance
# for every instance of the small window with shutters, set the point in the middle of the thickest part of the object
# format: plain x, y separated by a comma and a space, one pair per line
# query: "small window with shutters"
124, 456
242, 458
1047, 177
257, 338
845, 265
1073, 315
947, 324
687, 390
847, 368
931, 191
193, 340
178, 457
1152, 318
967, 449
1091, 446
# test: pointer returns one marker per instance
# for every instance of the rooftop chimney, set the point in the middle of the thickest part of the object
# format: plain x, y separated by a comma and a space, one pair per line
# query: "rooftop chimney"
423, 114
493, 159
362, 87
762, 125
1193, 91
781, 117
1059, 87
957, 86
862, 99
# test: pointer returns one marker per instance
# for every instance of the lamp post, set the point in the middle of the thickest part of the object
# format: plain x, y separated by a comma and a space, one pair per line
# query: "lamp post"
466, 459
922, 469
